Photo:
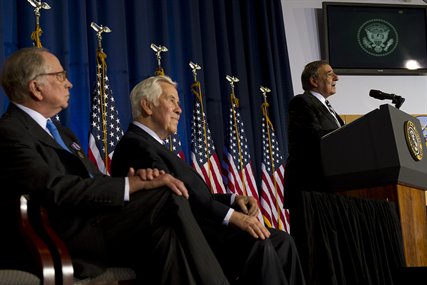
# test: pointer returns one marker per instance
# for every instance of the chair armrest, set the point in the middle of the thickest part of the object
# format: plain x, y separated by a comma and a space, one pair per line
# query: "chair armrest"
37, 247
62, 259
61, 256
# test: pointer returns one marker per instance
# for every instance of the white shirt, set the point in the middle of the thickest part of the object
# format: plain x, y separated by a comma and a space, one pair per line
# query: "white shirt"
323, 100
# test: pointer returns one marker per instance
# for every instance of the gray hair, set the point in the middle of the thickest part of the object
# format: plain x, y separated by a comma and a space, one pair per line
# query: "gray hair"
310, 70
149, 89
19, 69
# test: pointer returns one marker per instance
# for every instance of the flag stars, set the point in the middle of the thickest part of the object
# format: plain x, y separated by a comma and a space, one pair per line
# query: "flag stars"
104, 107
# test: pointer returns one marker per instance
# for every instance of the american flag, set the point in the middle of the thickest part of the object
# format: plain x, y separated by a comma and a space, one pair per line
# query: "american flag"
273, 169
105, 128
203, 156
237, 165
173, 143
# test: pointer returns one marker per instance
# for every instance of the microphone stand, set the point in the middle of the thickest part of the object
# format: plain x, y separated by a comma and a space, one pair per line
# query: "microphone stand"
398, 101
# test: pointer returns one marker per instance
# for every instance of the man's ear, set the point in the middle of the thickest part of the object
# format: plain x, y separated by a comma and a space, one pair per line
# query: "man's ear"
146, 107
35, 90
313, 81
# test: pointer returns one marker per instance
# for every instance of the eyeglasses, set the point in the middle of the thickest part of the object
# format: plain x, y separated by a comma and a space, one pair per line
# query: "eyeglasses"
61, 75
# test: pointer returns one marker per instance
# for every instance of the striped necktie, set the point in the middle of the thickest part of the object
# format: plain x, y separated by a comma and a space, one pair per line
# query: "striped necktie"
332, 111
54, 132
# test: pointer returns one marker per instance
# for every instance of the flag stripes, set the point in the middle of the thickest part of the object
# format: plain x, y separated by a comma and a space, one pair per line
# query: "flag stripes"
213, 178
273, 170
237, 166
203, 156
105, 128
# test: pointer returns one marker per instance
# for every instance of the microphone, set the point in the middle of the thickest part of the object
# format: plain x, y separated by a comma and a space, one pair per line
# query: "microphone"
377, 94
396, 99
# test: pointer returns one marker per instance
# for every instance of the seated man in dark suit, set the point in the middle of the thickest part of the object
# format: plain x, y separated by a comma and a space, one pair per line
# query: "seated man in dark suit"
245, 248
134, 220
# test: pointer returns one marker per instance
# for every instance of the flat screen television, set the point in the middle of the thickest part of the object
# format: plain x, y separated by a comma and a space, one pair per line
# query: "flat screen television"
362, 38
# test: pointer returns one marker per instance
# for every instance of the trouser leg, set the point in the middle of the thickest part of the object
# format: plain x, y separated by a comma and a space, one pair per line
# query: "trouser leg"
201, 256
288, 256
156, 234
250, 261
263, 266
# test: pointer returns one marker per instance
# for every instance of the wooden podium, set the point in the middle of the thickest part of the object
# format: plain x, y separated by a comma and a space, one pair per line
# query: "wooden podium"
382, 155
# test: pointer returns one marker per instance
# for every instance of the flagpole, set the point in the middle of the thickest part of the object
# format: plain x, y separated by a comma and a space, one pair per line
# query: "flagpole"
197, 92
264, 107
158, 49
235, 104
101, 64
35, 36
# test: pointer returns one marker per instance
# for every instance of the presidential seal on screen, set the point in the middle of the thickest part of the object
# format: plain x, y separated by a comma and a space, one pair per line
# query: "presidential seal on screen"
413, 140
377, 37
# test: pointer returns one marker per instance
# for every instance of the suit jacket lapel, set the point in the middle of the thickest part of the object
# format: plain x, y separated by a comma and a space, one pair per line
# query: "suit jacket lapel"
170, 156
45, 139
322, 108
32, 127
152, 141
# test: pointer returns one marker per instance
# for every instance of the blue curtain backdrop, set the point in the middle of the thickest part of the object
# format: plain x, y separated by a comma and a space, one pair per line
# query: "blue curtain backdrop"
243, 38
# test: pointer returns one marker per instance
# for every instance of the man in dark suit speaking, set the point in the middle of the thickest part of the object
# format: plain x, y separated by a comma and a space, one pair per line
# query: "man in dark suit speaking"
135, 220
310, 117
248, 252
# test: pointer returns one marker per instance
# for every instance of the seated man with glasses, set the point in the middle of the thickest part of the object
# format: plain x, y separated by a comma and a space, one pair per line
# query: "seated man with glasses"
142, 221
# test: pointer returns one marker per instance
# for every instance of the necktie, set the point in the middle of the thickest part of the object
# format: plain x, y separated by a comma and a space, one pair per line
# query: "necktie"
332, 112
54, 132
330, 107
